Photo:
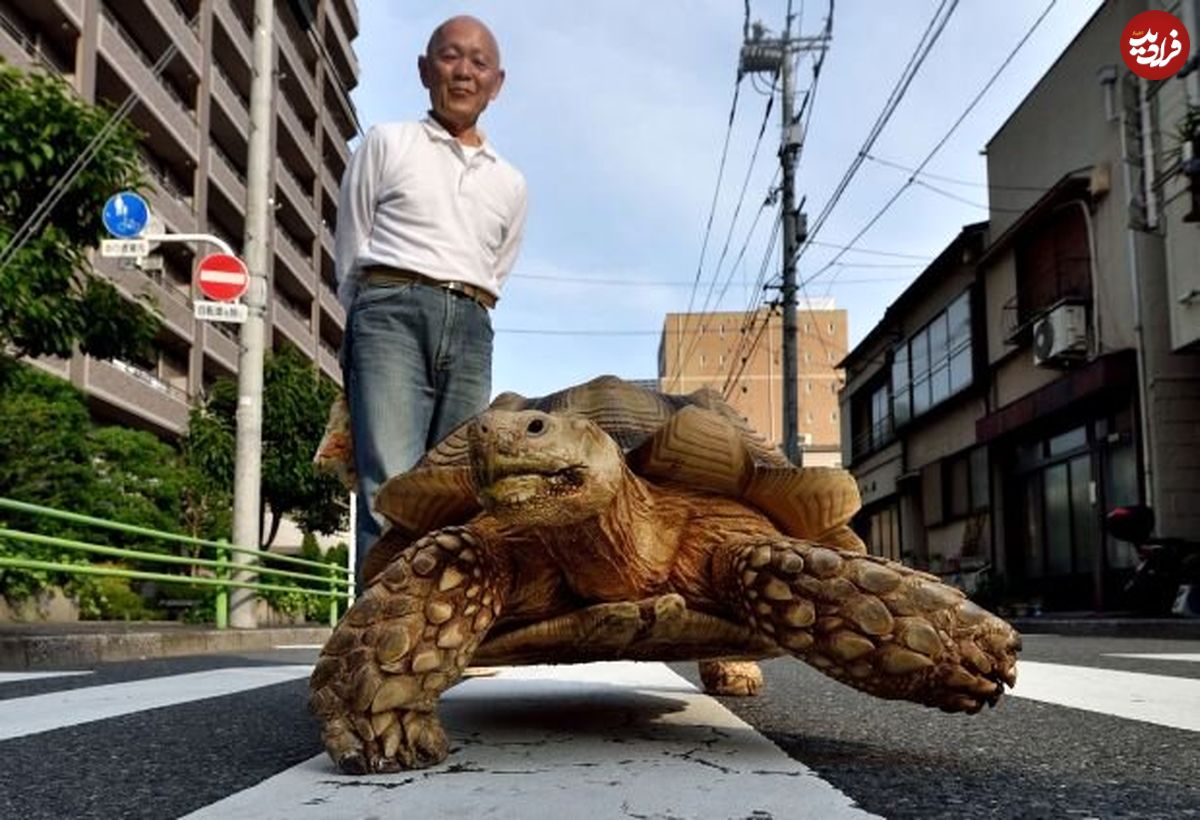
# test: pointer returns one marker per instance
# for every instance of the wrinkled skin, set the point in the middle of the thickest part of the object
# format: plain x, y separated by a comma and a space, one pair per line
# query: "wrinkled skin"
575, 553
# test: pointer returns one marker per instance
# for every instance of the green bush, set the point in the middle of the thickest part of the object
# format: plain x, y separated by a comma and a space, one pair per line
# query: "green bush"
110, 598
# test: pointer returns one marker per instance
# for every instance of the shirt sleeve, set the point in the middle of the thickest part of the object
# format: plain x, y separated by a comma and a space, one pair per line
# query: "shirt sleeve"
515, 232
356, 203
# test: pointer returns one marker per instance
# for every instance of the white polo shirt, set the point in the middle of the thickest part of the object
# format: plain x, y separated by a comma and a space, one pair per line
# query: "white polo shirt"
414, 197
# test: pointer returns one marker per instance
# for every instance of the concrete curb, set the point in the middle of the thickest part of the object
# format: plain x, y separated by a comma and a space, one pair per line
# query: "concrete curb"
23, 647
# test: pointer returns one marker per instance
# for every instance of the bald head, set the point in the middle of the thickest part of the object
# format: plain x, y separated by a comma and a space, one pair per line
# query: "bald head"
460, 22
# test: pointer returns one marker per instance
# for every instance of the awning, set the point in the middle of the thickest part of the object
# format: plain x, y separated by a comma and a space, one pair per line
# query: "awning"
1114, 373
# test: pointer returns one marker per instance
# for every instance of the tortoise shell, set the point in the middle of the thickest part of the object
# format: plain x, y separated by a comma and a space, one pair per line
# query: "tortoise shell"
696, 439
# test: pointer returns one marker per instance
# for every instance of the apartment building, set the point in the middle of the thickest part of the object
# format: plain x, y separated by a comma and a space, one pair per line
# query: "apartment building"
1078, 310
194, 117
741, 356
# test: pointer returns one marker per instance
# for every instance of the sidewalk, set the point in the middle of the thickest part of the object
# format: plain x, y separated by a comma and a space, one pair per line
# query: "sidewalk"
65, 645
83, 643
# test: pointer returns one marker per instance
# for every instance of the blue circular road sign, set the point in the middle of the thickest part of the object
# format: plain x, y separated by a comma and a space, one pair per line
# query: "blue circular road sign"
126, 215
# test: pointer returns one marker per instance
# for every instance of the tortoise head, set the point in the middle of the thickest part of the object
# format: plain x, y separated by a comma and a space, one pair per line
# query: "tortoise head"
541, 469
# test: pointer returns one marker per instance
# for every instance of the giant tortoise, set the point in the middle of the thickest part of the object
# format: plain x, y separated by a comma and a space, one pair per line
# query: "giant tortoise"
609, 521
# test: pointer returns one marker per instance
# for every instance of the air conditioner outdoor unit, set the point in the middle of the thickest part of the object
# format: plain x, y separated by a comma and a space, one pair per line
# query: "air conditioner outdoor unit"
1060, 335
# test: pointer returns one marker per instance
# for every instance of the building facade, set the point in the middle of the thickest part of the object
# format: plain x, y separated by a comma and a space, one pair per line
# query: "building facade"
1083, 291
740, 355
193, 113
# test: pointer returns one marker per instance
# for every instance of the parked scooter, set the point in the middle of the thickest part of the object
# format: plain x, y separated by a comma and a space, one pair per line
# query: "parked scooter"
1166, 580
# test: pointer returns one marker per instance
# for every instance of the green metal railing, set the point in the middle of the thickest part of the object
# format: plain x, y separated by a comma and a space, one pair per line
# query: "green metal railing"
226, 573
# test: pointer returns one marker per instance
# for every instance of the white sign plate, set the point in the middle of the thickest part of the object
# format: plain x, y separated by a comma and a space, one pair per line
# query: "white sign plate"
220, 311
151, 264
116, 248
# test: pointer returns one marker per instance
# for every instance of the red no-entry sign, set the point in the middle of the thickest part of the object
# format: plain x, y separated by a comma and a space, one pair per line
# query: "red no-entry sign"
222, 277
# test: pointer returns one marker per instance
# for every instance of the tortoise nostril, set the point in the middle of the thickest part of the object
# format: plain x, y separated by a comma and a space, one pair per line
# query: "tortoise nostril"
483, 428
535, 427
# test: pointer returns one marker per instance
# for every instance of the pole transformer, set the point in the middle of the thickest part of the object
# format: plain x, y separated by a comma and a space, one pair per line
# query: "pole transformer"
776, 57
247, 475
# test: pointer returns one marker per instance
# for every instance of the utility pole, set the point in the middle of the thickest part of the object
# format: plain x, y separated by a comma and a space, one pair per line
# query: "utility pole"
247, 477
776, 56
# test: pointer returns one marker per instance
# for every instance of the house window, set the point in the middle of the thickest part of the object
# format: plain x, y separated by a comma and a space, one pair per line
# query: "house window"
871, 420
1053, 263
965, 483
880, 530
934, 364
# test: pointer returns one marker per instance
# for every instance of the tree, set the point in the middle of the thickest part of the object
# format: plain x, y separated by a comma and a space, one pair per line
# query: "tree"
52, 454
296, 400
50, 299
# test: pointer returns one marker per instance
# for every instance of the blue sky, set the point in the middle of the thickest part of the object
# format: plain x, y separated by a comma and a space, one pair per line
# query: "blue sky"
616, 112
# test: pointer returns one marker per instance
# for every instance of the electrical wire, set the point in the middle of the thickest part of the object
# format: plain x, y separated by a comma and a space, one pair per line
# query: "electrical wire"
36, 220
941, 142
708, 300
932, 32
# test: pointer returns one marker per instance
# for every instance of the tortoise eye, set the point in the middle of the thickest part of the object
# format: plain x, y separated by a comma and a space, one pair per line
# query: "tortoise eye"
535, 427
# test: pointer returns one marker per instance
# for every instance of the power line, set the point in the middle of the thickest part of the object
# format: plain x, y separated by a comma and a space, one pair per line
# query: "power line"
954, 180
712, 208
684, 283
894, 254
970, 107
932, 32
708, 300
37, 219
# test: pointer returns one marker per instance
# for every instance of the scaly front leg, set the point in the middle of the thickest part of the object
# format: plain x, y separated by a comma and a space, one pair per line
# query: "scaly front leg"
403, 643
874, 624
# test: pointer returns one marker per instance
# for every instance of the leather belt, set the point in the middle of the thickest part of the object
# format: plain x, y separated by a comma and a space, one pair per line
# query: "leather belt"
382, 273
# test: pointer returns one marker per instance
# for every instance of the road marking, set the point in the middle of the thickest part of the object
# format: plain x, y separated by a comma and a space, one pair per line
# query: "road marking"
55, 710
299, 646
614, 739
1159, 699
1193, 657
12, 677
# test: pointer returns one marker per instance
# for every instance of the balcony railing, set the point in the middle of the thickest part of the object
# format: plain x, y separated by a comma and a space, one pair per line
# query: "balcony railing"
149, 378
283, 301
31, 46
228, 160
874, 439
146, 60
166, 182
223, 79
305, 255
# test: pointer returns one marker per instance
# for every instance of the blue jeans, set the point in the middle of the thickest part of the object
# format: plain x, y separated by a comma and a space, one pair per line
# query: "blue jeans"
417, 362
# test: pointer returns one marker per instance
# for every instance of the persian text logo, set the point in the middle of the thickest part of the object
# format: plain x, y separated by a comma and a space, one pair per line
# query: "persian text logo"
1155, 45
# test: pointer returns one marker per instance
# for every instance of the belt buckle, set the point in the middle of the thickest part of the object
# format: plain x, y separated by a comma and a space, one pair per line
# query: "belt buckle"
456, 286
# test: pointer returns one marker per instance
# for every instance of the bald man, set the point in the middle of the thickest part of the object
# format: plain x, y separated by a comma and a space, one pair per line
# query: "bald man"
430, 220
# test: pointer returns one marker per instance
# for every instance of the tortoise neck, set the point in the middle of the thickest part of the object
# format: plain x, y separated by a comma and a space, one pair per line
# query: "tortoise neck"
623, 553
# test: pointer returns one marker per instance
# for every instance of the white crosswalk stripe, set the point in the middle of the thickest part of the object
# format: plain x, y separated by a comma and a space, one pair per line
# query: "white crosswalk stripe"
42, 713
626, 739
1188, 657
16, 677
1159, 699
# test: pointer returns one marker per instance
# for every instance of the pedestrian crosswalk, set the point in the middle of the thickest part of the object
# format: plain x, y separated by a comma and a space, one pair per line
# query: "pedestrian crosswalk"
43, 713
1159, 699
617, 739
628, 739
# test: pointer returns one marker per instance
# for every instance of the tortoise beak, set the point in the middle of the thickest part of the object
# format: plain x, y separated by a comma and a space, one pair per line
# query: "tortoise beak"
505, 442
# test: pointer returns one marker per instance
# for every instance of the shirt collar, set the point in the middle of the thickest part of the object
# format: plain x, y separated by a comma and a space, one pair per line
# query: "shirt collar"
436, 131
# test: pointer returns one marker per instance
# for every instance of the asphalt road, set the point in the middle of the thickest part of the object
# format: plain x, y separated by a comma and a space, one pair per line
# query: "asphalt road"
1024, 759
